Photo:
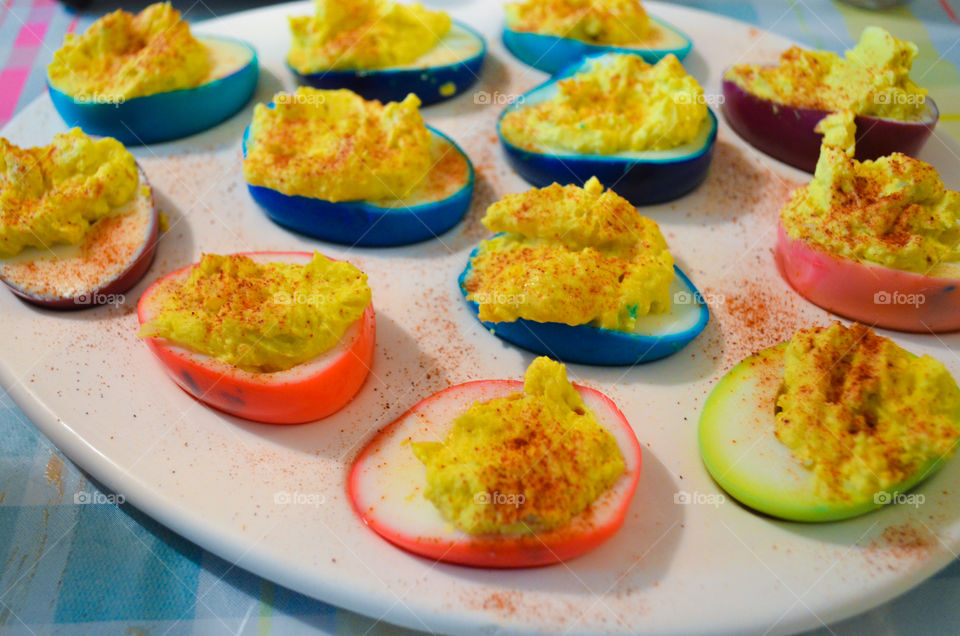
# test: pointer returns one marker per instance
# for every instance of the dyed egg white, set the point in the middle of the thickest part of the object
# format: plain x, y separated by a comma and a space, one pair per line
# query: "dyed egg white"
551, 53
387, 484
305, 392
655, 336
741, 451
172, 114
643, 178
372, 223
448, 69
111, 258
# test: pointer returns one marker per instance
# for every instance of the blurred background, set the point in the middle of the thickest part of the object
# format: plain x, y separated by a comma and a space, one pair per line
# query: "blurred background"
197, 10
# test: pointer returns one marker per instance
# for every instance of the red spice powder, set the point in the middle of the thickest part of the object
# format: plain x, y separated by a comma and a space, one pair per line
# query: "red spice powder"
500, 602
907, 540
758, 316
899, 546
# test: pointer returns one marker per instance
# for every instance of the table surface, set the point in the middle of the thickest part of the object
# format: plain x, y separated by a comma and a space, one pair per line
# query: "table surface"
75, 560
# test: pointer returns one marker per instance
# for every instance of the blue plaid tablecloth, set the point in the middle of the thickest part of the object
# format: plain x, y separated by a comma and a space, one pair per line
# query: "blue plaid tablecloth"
77, 561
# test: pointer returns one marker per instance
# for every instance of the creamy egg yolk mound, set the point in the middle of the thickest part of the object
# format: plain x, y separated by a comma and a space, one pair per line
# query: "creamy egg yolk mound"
873, 78
260, 317
894, 211
122, 56
602, 22
363, 34
863, 414
54, 194
336, 146
622, 104
525, 463
571, 255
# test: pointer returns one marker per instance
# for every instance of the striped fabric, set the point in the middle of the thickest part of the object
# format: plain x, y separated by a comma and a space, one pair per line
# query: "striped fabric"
74, 562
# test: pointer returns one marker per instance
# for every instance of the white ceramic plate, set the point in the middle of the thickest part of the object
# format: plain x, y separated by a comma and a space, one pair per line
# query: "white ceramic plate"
272, 499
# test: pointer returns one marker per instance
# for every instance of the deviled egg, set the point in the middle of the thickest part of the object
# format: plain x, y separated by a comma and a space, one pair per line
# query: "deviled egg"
78, 221
644, 130
777, 107
876, 241
146, 78
334, 166
832, 424
579, 274
551, 34
384, 50
501, 473
275, 337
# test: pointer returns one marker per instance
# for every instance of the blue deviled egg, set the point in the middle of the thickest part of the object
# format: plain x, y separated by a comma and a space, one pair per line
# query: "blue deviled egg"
644, 130
551, 34
580, 275
334, 166
145, 78
384, 50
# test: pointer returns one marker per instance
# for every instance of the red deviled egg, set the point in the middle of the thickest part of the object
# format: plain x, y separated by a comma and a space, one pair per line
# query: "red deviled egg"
501, 473
276, 337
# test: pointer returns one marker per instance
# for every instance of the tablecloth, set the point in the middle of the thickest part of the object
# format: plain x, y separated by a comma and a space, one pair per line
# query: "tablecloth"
78, 560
